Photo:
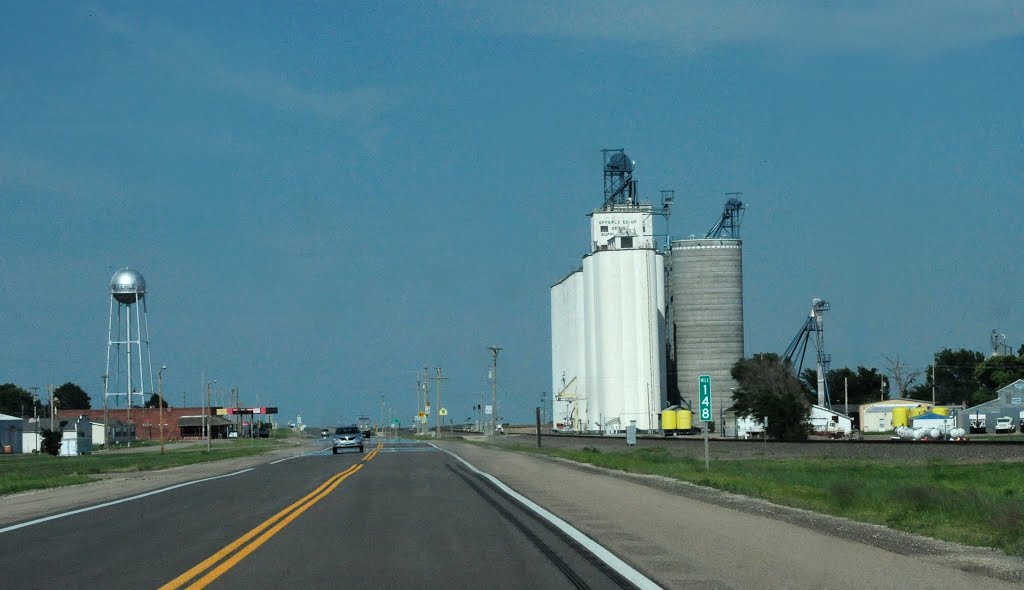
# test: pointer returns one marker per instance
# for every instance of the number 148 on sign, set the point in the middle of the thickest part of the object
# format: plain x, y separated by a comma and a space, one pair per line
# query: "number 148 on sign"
705, 398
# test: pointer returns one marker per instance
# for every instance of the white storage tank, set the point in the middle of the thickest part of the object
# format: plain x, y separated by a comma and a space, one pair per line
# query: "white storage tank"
625, 373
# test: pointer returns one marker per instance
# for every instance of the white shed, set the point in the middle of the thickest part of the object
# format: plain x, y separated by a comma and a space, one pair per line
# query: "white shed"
826, 421
10, 434
77, 439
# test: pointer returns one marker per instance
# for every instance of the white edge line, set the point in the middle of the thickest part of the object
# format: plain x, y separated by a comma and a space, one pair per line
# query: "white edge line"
115, 502
297, 456
623, 568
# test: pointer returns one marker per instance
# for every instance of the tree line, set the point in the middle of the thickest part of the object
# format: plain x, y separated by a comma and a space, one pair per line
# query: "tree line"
18, 401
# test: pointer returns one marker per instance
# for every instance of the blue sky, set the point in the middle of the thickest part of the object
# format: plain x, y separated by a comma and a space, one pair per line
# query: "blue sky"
325, 197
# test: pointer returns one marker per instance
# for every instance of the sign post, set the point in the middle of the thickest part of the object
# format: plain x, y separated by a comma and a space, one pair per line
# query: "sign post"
704, 385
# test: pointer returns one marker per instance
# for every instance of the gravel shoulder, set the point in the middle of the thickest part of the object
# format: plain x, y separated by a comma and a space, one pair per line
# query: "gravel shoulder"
668, 529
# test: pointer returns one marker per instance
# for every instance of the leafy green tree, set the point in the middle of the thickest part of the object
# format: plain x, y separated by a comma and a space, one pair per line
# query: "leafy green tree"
954, 378
861, 386
155, 401
71, 397
769, 388
809, 379
999, 371
15, 401
50, 442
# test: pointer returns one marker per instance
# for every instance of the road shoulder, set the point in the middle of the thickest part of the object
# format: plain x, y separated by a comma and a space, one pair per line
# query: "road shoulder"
657, 522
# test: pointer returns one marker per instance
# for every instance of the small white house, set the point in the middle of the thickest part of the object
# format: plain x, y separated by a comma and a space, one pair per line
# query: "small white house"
76, 435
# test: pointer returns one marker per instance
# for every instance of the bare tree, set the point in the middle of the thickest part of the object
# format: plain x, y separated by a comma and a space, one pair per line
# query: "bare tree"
901, 373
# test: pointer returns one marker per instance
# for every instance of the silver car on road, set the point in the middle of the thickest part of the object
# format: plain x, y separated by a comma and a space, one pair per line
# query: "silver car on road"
347, 437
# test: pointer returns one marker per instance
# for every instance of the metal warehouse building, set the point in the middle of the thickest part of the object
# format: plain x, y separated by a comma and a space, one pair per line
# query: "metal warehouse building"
1009, 402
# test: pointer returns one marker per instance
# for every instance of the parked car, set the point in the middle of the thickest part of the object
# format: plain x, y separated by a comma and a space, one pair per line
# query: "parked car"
347, 437
1005, 424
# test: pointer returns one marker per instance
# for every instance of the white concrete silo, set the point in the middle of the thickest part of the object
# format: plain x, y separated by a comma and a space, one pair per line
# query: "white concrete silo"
568, 361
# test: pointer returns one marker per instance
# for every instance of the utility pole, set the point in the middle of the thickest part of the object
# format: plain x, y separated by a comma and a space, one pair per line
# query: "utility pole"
544, 407
206, 417
160, 401
35, 413
419, 406
106, 416
437, 416
53, 405
424, 426
935, 361
494, 387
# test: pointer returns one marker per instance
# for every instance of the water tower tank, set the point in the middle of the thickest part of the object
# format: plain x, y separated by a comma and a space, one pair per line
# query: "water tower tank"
706, 290
127, 286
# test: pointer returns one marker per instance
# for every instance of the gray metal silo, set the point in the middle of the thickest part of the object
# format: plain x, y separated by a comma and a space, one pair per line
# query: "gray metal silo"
706, 291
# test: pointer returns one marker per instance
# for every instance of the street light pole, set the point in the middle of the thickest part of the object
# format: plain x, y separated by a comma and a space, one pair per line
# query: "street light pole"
160, 402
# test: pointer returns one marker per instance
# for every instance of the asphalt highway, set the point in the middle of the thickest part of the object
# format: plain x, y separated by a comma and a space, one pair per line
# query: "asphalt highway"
400, 515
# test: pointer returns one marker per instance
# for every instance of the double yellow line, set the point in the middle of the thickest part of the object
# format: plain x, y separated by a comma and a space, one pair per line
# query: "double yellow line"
220, 562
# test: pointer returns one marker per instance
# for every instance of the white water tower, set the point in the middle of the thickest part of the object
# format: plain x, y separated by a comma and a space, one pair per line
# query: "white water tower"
129, 363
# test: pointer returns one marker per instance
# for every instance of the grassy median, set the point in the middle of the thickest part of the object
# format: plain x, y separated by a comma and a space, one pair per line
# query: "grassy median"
973, 504
20, 473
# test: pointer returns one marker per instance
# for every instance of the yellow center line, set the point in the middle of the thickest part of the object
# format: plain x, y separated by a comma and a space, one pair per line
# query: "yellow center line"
374, 452
245, 551
285, 516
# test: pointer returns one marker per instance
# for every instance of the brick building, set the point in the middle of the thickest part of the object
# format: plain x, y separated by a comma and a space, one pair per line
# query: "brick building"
179, 423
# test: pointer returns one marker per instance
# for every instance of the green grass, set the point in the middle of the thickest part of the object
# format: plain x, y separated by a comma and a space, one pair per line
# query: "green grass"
19, 473
973, 504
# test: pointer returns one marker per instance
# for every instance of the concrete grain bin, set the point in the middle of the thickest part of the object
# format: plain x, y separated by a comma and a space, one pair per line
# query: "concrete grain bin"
706, 293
